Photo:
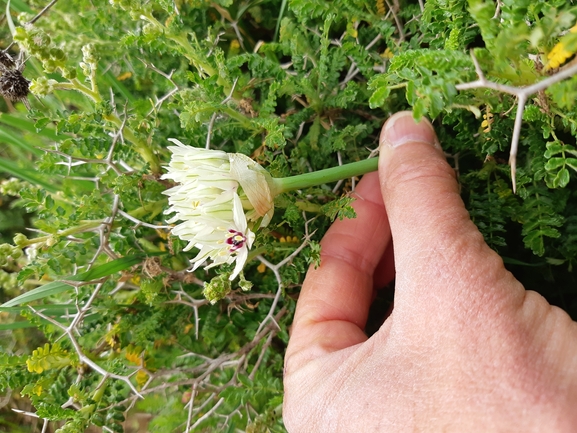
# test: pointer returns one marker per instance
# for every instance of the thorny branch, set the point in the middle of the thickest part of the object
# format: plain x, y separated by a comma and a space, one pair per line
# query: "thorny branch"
141, 223
81, 356
204, 371
213, 118
160, 101
276, 271
107, 161
522, 94
201, 380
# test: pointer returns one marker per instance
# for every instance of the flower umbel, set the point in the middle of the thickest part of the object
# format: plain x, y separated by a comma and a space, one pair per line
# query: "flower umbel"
222, 197
208, 202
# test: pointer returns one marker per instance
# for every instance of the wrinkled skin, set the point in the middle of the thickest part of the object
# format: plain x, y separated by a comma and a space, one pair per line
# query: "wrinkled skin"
466, 347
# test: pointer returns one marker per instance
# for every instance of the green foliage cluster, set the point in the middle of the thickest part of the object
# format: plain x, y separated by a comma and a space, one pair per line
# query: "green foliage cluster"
110, 322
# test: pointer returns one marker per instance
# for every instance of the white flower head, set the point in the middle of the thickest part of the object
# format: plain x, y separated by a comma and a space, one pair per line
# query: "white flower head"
208, 201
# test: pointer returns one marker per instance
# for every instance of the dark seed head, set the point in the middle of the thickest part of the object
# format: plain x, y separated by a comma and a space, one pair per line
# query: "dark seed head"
13, 85
6, 62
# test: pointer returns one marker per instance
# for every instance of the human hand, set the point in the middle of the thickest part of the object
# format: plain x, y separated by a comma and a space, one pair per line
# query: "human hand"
465, 348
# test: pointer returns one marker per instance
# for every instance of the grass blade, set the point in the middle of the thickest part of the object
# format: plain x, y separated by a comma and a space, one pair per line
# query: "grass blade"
9, 167
48, 309
9, 21
56, 287
113, 82
24, 324
15, 141
29, 126
20, 6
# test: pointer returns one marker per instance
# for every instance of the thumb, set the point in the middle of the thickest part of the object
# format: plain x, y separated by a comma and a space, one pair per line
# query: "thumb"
441, 258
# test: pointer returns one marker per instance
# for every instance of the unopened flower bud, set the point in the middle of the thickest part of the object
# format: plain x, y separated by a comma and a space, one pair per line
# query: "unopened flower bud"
42, 86
89, 54
217, 289
20, 240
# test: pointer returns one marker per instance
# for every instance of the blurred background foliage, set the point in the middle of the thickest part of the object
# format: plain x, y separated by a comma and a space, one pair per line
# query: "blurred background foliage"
129, 343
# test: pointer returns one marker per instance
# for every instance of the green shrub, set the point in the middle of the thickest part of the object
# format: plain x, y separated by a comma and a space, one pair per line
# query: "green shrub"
101, 317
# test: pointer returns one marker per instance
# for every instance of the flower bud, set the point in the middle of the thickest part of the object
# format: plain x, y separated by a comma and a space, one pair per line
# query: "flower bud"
20, 240
217, 289
42, 86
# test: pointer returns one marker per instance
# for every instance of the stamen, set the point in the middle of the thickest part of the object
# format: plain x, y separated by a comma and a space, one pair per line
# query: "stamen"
235, 239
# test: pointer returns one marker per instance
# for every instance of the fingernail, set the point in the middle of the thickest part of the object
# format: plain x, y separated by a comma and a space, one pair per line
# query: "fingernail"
401, 128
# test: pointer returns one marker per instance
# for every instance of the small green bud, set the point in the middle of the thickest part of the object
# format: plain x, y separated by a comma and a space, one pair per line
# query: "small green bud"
8, 280
87, 410
86, 69
40, 40
244, 284
99, 393
150, 29
20, 34
16, 253
42, 86
89, 54
20, 240
69, 74
5, 250
52, 240
11, 187
49, 66
25, 17
217, 289
58, 54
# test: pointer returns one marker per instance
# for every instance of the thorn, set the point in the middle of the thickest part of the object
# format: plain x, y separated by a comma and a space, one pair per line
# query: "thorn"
513, 164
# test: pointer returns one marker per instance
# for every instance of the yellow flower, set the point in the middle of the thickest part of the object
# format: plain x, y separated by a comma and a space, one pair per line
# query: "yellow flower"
559, 54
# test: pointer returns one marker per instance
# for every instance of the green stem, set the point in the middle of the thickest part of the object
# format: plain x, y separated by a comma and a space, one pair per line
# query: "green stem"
246, 123
78, 86
84, 227
321, 177
200, 62
150, 210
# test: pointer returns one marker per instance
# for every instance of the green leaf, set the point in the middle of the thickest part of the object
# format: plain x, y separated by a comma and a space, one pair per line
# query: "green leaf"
21, 6
554, 163
379, 96
572, 163
562, 178
19, 142
48, 357
553, 148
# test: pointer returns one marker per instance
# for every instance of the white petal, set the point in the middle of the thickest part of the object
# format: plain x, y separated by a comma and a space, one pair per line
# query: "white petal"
239, 217
241, 256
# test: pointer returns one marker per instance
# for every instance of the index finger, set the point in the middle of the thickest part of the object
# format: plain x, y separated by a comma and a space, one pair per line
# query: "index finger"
335, 298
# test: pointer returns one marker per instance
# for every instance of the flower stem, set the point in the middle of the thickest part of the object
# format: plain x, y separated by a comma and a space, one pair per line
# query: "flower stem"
321, 177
